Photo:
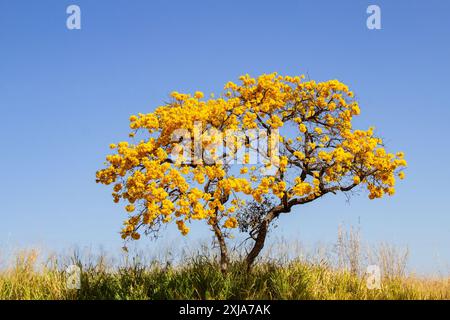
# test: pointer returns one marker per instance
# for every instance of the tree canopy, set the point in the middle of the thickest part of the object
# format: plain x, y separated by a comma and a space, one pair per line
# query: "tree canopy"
272, 136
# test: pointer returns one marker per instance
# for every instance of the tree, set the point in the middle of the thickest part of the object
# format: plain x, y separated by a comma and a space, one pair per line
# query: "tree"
274, 137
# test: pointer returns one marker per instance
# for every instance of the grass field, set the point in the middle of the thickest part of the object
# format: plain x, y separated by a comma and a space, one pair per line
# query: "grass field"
201, 278
340, 275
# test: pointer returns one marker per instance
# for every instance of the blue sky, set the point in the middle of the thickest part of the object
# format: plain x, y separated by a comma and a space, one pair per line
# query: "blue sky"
66, 94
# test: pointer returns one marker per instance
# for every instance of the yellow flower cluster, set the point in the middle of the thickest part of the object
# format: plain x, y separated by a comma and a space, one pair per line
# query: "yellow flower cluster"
319, 153
231, 222
275, 122
182, 227
301, 188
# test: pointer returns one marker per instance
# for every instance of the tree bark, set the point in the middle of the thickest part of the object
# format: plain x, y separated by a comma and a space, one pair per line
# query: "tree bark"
260, 239
284, 207
224, 259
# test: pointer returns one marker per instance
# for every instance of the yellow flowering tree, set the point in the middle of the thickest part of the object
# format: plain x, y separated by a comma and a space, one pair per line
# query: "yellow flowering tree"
274, 136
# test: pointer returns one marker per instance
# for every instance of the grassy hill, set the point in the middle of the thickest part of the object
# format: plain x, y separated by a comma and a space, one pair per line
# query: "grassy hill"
199, 277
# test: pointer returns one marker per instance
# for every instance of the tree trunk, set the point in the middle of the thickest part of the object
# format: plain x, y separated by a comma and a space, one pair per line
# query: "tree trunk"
224, 260
260, 240
284, 207
257, 247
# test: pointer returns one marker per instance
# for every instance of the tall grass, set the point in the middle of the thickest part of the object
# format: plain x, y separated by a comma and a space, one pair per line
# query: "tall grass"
327, 274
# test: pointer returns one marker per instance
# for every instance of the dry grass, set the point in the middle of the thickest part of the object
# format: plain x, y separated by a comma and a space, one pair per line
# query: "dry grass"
337, 273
